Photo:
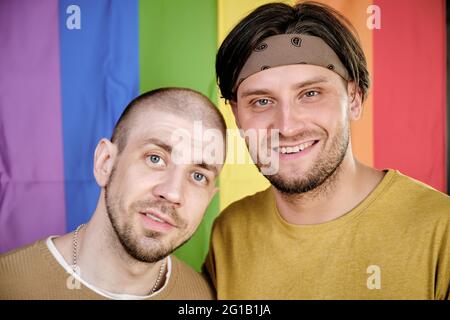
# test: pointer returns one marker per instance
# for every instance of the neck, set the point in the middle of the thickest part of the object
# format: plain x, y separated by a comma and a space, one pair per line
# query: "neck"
348, 186
104, 262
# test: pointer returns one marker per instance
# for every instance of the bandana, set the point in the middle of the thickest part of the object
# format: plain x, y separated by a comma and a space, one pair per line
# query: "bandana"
287, 49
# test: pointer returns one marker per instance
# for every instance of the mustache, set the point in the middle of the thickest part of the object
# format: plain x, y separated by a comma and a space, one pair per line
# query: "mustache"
161, 206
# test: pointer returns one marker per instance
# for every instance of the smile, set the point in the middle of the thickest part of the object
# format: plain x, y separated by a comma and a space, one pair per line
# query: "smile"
296, 148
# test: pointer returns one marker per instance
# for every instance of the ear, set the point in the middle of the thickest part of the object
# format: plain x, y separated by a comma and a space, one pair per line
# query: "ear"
234, 108
104, 158
355, 100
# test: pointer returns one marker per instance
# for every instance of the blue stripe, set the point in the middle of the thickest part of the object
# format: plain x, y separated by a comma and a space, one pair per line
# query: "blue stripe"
99, 76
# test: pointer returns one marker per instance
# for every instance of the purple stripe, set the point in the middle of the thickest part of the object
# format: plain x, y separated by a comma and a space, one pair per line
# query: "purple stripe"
31, 157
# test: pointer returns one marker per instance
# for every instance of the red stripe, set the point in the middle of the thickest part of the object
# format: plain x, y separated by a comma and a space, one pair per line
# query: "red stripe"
409, 89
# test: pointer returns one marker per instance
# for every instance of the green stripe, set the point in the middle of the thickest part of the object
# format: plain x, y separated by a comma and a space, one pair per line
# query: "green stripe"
177, 46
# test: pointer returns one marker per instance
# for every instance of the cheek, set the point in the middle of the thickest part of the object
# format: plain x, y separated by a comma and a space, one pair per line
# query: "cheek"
254, 120
196, 205
330, 114
133, 185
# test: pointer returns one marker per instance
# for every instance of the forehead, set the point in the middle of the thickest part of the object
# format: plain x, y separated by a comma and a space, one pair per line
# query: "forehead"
176, 134
289, 75
186, 140
153, 123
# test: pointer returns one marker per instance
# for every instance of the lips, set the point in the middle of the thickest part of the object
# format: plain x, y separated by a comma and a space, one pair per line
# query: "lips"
158, 217
156, 221
298, 148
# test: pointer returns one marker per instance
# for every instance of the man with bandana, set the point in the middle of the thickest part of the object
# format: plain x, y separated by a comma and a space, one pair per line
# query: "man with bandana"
329, 227
153, 197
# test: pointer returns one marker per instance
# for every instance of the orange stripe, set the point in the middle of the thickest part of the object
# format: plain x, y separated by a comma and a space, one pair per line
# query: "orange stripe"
362, 130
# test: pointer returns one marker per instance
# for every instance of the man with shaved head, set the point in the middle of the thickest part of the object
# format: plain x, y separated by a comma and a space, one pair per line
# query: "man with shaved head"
150, 203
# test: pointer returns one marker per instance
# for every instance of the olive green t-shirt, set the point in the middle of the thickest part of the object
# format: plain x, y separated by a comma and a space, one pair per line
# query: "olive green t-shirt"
393, 245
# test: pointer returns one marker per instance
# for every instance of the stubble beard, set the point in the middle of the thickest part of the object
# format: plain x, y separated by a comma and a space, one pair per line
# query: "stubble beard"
152, 248
322, 174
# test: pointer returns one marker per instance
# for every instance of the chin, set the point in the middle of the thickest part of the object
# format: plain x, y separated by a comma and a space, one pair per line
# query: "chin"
293, 174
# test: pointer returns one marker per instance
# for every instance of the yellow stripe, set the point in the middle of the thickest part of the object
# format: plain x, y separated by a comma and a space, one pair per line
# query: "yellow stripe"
236, 180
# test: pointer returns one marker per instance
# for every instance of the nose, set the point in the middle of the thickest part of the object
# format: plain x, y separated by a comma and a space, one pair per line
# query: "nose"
288, 120
170, 188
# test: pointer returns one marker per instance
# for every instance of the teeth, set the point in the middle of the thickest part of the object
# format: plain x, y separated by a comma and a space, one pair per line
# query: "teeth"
295, 149
305, 145
149, 215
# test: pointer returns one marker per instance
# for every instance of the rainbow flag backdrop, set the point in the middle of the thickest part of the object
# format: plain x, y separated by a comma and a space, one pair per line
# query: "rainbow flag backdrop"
68, 69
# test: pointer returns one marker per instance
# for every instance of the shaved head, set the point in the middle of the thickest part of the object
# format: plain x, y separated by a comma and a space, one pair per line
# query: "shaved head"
182, 102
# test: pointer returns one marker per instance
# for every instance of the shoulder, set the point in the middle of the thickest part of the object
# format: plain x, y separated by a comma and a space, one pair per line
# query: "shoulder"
22, 271
413, 204
188, 283
246, 209
21, 257
418, 196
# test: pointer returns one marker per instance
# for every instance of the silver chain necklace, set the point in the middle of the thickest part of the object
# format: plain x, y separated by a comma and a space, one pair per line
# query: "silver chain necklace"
75, 243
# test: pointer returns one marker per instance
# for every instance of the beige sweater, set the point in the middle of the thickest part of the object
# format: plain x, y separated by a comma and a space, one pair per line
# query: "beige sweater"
33, 273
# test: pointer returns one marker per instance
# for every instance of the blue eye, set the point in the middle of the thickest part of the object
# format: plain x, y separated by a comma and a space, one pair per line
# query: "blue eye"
312, 93
156, 161
155, 158
198, 176
262, 102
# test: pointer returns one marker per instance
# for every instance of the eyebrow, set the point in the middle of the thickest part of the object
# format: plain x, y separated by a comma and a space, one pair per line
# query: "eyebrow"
209, 167
168, 148
159, 143
299, 85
